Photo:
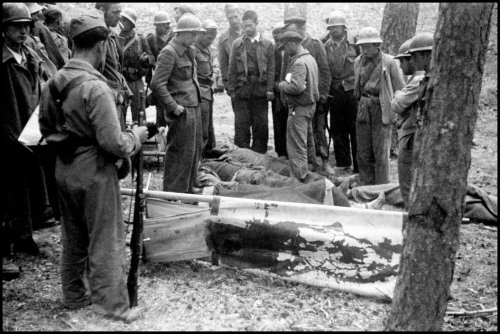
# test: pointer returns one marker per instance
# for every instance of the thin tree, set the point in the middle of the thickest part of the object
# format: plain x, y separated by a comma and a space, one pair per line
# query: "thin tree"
399, 23
442, 160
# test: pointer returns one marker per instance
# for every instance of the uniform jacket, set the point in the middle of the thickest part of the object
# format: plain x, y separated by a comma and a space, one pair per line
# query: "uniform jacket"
20, 92
405, 104
62, 43
226, 40
303, 87
175, 81
205, 70
345, 77
45, 36
317, 50
391, 80
48, 67
87, 114
157, 44
133, 67
238, 66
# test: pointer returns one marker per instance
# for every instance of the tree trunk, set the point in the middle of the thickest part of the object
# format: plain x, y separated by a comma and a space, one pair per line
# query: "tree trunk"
295, 9
442, 157
399, 24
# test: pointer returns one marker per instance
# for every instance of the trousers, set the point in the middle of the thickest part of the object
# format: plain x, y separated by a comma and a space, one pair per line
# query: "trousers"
297, 134
207, 121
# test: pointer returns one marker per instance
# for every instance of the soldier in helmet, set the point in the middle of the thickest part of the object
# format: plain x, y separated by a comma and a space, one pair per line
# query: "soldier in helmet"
405, 105
205, 72
377, 76
341, 50
79, 121
318, 145
54, 21
157, 41
137, 58
176, 86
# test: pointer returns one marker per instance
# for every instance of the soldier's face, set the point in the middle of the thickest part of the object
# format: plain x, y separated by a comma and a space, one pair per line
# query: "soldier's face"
250, 28
188, 37
336, 32
113, 15
234, 19
162, 28
207, 38
16, 33
370, 50
406, 65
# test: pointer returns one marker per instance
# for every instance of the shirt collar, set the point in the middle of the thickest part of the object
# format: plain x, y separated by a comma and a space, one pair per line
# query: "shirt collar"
19, 57
255, 38
179, 48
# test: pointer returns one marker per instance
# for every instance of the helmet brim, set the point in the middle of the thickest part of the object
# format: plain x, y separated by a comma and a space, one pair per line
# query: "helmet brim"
190, 30
336, 25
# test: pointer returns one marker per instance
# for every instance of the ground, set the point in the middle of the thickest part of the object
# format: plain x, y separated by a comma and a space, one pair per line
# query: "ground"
194, 295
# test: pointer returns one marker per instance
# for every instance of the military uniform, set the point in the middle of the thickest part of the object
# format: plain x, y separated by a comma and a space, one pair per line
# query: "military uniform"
175, 83
62, 43
226, 40
41, 31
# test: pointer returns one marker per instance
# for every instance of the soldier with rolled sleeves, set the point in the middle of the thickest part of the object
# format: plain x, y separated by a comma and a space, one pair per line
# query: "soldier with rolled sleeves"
227, 38
176, 86
377, 77
205, 72
300, 91
137, 59
84, 131
318, 144
341, 51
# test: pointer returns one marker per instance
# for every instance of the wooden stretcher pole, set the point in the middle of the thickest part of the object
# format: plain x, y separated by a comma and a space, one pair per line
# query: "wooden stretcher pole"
171, 196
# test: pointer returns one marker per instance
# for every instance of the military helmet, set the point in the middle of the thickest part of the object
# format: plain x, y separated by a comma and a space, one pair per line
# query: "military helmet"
15, 12
368, 35
33, 7
189, 22
209, 24
422, 42
160, 17
130, 15
336, 18
185, 8
403, 50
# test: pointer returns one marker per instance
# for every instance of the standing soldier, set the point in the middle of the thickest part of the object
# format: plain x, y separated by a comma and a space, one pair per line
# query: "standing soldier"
54, 21
157, 41
176, 86
318, 144
205, 73
136, 59
341, 52
84, 131
227, 38
300, 91
377, 76
250, 85
405, 104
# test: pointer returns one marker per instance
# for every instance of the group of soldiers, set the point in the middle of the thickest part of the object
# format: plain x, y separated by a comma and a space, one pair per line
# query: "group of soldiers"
85, 77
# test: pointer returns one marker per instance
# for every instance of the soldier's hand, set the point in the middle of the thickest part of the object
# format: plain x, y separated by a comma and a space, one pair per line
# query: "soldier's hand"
270, 95
179, 110
142, 132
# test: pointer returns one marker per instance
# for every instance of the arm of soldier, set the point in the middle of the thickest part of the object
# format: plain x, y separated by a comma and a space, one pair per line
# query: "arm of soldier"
405, 97
396, 76
271, 66
231, 72
47, 119
101, 111
297, 83
147, 56
325, 76
223, 62
163, 71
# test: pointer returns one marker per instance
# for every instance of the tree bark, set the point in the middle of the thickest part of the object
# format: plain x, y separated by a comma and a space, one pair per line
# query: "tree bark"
442, 157
399, 24
295, 9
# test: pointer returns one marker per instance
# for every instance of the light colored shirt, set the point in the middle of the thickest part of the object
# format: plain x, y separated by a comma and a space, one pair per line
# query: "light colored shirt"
19, 57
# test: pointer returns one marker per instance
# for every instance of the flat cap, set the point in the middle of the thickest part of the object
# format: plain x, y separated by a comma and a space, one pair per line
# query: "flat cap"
290, 36
91, 19
295, 19
278, 29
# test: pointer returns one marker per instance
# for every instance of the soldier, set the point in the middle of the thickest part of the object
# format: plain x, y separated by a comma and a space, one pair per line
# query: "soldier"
341, 51
157, 41
227, 38
300, 91
181, 10
54, 21
317, 144
205, 73
279, 110
176, 86
84, 131
377, 76
137, 59
250, 85
405, 104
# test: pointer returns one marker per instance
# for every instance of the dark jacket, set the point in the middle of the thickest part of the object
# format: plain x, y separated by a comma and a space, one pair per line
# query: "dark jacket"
135, 67
175, 81
303, 87
204, 70
238, 66
156, 44
226, 40
345, 77
45, 36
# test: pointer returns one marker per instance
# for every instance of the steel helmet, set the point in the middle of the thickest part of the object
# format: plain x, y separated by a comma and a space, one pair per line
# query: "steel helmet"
422, 42
33, 7
403, 50
161, 17
368, 35
130, 15
336, 18
209, 24
189, 22
15, 12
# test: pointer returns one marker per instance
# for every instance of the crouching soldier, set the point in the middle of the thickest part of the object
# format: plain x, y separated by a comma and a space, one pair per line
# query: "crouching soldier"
78, 118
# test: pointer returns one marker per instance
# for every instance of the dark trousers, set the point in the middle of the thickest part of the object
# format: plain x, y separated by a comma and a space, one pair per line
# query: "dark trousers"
207, 122
405, 167
183, 151
251, 123
135, 86
280, 116
343, 109
319, 127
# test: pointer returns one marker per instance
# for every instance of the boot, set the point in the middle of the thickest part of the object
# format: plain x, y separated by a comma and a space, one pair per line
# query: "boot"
327, 168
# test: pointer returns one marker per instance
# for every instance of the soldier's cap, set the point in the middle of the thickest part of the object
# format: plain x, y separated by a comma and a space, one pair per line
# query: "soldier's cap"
185, 8
209, 24
51, 8
91, 19
278, 29
33, 7
290, 36
295, 19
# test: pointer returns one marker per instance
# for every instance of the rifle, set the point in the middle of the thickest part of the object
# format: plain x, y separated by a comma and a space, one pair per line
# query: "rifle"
138, 224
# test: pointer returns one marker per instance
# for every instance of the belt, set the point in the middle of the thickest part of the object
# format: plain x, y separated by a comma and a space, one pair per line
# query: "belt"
205, 81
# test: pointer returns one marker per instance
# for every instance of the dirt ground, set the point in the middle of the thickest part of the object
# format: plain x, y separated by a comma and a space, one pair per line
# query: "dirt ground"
195, 295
